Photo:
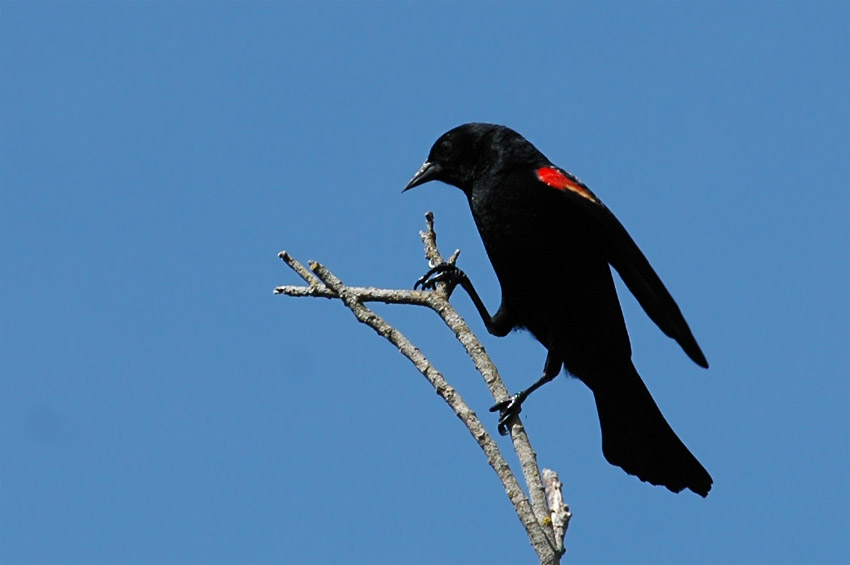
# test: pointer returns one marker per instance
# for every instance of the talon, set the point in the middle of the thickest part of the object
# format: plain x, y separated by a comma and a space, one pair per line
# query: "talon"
507, 409
423, 280
444, 272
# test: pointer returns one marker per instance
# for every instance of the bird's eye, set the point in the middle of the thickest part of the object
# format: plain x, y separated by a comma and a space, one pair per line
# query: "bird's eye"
445, 146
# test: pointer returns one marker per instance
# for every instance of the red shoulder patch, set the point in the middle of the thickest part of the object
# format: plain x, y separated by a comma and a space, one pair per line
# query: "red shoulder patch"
556, 178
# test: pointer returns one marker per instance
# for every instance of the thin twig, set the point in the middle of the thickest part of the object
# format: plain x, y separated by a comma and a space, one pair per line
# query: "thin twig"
302, 271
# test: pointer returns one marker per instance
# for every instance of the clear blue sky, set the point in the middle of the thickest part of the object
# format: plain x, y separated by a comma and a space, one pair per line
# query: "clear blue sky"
160, 405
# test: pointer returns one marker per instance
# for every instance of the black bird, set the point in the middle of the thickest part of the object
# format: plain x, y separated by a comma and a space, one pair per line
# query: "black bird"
551, 240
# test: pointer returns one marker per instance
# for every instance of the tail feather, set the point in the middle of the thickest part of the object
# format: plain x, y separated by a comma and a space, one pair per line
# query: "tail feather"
636, 437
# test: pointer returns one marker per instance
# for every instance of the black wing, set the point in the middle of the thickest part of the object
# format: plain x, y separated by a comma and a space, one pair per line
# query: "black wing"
643, 281
630, 262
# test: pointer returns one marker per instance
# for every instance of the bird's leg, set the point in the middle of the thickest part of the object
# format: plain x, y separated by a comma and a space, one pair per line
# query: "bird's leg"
511, 407
499, 324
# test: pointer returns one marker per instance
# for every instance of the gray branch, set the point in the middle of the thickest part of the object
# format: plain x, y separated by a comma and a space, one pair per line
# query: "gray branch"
538, 516
560, 511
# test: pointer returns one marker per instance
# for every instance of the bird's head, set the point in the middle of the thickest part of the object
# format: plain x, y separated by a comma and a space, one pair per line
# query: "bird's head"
463, 154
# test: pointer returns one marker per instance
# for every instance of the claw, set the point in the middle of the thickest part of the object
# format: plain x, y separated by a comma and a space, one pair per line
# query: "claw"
444, 272
507, 409
423, 280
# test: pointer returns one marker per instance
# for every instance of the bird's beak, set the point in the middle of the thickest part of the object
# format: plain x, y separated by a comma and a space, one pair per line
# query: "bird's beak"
428, 171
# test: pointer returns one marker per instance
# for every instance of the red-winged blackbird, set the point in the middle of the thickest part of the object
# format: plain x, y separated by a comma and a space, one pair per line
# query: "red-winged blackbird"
550, 240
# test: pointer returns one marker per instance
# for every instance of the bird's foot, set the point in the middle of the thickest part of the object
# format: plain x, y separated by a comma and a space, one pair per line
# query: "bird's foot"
508, 409
444, 272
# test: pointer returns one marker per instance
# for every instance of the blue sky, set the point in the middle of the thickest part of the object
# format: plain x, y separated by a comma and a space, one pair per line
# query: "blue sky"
159, 405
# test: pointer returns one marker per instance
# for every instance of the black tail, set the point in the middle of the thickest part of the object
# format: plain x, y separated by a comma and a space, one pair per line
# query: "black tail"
636, 437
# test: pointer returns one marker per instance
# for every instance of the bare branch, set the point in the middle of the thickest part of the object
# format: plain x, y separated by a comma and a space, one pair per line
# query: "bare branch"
466, 415
535, 517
